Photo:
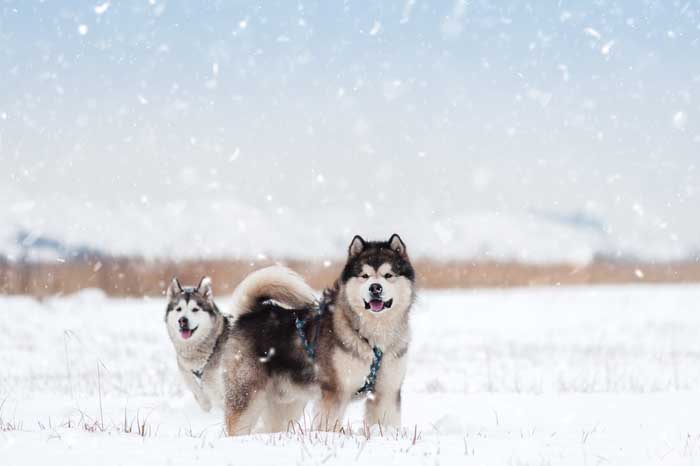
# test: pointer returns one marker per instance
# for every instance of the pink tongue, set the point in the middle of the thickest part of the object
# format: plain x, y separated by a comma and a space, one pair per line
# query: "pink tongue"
186, 334
376, 305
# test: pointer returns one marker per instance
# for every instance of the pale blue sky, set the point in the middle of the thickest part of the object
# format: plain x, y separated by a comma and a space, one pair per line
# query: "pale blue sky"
433, 107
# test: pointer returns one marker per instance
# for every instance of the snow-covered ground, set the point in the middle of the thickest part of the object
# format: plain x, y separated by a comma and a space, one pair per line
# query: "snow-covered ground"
605, 375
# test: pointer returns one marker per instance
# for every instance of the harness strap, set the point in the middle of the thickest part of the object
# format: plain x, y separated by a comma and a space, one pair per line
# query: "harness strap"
308, 346
371, 378
199, 373
310, 349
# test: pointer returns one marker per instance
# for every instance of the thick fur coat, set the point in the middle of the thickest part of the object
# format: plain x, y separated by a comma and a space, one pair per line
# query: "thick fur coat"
268, 369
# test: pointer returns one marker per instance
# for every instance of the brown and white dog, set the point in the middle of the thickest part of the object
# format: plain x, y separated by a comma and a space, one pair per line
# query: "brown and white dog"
351, 345
368, 311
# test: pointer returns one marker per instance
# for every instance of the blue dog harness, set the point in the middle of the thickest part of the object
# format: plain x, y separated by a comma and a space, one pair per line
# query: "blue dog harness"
371, 378
308, 346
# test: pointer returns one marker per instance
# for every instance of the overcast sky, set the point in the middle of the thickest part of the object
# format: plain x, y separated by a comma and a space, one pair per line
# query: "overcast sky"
391, 107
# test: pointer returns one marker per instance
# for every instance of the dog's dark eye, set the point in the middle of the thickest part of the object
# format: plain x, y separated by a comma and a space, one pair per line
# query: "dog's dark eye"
195, 309
364, 275
178, 309
388, 275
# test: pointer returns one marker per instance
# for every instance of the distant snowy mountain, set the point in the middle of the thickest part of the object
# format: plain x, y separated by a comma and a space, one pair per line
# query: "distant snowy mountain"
34, 246
62, 229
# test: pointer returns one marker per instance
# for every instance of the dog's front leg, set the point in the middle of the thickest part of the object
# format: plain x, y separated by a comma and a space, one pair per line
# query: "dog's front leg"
384, 405
196, 388
384, 408
243, 411
330, 411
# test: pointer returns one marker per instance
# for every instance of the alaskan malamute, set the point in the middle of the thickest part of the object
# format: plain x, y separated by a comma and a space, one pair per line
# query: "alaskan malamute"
204, 338
351, 345
363, 341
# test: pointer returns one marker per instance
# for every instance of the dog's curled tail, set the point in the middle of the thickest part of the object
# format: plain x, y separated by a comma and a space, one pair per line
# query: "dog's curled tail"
276, 283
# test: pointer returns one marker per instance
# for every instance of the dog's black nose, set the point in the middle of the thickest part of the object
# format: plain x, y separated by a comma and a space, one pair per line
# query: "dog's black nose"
375, 289
182, 321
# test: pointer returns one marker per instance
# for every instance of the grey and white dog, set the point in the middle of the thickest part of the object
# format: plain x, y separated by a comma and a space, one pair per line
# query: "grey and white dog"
198, 331
202, 334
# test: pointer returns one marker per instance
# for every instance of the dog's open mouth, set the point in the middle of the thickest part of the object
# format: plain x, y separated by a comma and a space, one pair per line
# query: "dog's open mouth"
187, 333
377, 305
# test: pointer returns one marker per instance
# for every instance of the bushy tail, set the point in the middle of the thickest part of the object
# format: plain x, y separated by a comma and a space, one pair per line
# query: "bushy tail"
276, 283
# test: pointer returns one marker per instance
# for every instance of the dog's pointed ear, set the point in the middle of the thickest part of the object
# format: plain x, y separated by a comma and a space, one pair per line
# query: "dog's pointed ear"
174, 288
397, 245
356, 246
204, 288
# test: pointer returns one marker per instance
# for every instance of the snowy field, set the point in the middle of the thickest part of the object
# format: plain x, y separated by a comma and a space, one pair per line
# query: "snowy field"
577, 376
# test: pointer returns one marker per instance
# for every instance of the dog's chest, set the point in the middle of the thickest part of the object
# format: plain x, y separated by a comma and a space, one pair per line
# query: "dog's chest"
207, 375
350, 370
211, 382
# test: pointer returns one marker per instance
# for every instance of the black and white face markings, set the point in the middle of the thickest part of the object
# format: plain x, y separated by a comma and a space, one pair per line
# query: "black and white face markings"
378, 275
191, 312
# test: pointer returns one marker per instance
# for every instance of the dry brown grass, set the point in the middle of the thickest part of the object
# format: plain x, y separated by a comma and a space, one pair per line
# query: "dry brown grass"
139, 277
